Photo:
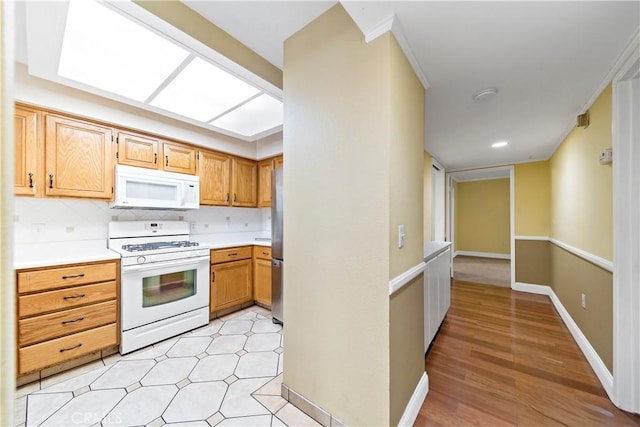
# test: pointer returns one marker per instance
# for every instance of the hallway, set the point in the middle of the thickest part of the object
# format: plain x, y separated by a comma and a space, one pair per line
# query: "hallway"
506, 358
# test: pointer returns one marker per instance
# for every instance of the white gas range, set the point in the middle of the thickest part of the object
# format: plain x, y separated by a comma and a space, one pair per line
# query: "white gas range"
164, 286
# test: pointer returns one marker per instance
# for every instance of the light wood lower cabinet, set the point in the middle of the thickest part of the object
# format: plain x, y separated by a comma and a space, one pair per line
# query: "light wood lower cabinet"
65, 312
262, 275
231, 281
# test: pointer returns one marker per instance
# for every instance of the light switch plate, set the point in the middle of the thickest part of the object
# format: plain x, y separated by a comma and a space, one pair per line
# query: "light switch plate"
401, 236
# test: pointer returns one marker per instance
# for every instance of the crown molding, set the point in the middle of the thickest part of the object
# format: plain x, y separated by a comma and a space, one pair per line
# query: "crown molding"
391, 24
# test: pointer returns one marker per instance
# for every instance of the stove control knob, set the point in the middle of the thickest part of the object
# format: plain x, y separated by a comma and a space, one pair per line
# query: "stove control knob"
141, 260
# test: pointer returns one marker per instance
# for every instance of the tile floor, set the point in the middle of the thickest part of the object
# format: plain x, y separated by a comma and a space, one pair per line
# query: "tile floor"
227, 373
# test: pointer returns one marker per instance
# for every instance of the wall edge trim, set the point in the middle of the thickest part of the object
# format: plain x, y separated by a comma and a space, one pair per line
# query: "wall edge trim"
604, 376
587, 256
484, 254
532, 238
598, 366
415, 403
402, 279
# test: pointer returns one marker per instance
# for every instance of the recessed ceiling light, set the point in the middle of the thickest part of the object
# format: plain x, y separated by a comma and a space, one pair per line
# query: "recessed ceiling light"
499, 144
485, 94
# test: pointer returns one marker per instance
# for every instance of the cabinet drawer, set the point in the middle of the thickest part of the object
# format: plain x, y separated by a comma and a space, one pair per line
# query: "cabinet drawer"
44, 302
231, 254
33, 281
262, 252
54, 325
38, 356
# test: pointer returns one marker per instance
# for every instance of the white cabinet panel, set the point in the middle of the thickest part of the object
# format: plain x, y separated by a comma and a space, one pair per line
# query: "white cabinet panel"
437, 294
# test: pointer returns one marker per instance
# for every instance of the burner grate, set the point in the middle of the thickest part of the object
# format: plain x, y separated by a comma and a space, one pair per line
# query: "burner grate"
140, 247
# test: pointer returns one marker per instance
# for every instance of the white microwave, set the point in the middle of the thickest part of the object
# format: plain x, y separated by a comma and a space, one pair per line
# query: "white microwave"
141, 188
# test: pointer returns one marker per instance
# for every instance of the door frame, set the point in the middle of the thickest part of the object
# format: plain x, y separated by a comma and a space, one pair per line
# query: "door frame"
626, 236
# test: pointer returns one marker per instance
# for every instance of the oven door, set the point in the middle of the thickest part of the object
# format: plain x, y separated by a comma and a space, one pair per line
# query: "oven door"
153, 292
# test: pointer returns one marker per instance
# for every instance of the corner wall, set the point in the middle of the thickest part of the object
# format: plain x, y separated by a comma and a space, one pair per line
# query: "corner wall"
336, 225
582, 217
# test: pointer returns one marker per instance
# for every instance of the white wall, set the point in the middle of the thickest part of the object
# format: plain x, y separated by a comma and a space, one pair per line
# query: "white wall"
56, 220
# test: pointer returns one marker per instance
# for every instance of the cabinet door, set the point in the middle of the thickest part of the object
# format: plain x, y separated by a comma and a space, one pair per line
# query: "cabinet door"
264, 182
434, 308
230, 284
444, 284
278, 162
244, 182
27, 152
179, 158
79, 159
262, 281
214, 170
138, 150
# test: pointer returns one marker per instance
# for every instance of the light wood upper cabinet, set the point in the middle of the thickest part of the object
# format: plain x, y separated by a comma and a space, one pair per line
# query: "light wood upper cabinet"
243, 182
265, 167
179, 158
28, 177
78, 159
227, 180
214, 170
148, 152
278, 162
138, 150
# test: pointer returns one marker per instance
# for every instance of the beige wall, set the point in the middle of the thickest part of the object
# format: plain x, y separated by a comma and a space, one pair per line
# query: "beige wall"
572, 276
532, 194
581, 188
532, 262
483, 223
406, 325
427, 197
336, 225
455, 215
407, 345
187, 20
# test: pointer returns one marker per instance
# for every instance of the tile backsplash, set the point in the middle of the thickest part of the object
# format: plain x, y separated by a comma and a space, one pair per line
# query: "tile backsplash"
57, 220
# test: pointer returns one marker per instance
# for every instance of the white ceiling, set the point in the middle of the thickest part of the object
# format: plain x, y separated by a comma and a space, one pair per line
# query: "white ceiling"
547, 60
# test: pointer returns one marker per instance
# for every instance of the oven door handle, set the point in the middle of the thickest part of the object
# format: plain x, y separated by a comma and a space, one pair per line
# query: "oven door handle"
157, 265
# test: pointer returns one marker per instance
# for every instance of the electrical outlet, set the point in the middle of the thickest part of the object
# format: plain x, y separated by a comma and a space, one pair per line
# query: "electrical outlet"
70, 229
584, 301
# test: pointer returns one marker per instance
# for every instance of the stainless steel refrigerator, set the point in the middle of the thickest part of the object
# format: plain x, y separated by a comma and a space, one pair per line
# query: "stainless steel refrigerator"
277, 261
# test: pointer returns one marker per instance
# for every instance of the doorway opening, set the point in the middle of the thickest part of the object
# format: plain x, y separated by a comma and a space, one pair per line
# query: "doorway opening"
480, 223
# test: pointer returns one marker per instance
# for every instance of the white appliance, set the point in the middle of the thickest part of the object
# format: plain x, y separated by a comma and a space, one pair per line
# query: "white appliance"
153, 189
164, 284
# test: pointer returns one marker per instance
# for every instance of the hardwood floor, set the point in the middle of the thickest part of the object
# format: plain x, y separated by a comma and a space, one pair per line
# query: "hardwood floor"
506, 358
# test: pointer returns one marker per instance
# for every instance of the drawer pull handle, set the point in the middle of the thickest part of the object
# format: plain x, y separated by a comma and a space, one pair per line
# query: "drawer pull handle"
74, 296
227, 198
73, 276
30, 180
265, 253
166, 160
213, 276
50, 180
235, 197
233, 254
66, 322
155, 158
62, 350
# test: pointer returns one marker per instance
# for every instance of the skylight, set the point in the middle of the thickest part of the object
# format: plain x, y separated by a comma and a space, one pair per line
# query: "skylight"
106, 51
203, 91
259, 114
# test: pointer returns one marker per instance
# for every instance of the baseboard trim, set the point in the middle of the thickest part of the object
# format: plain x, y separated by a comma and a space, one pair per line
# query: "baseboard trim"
531, 288
403, 279
415, 403
484, 254
598, 366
